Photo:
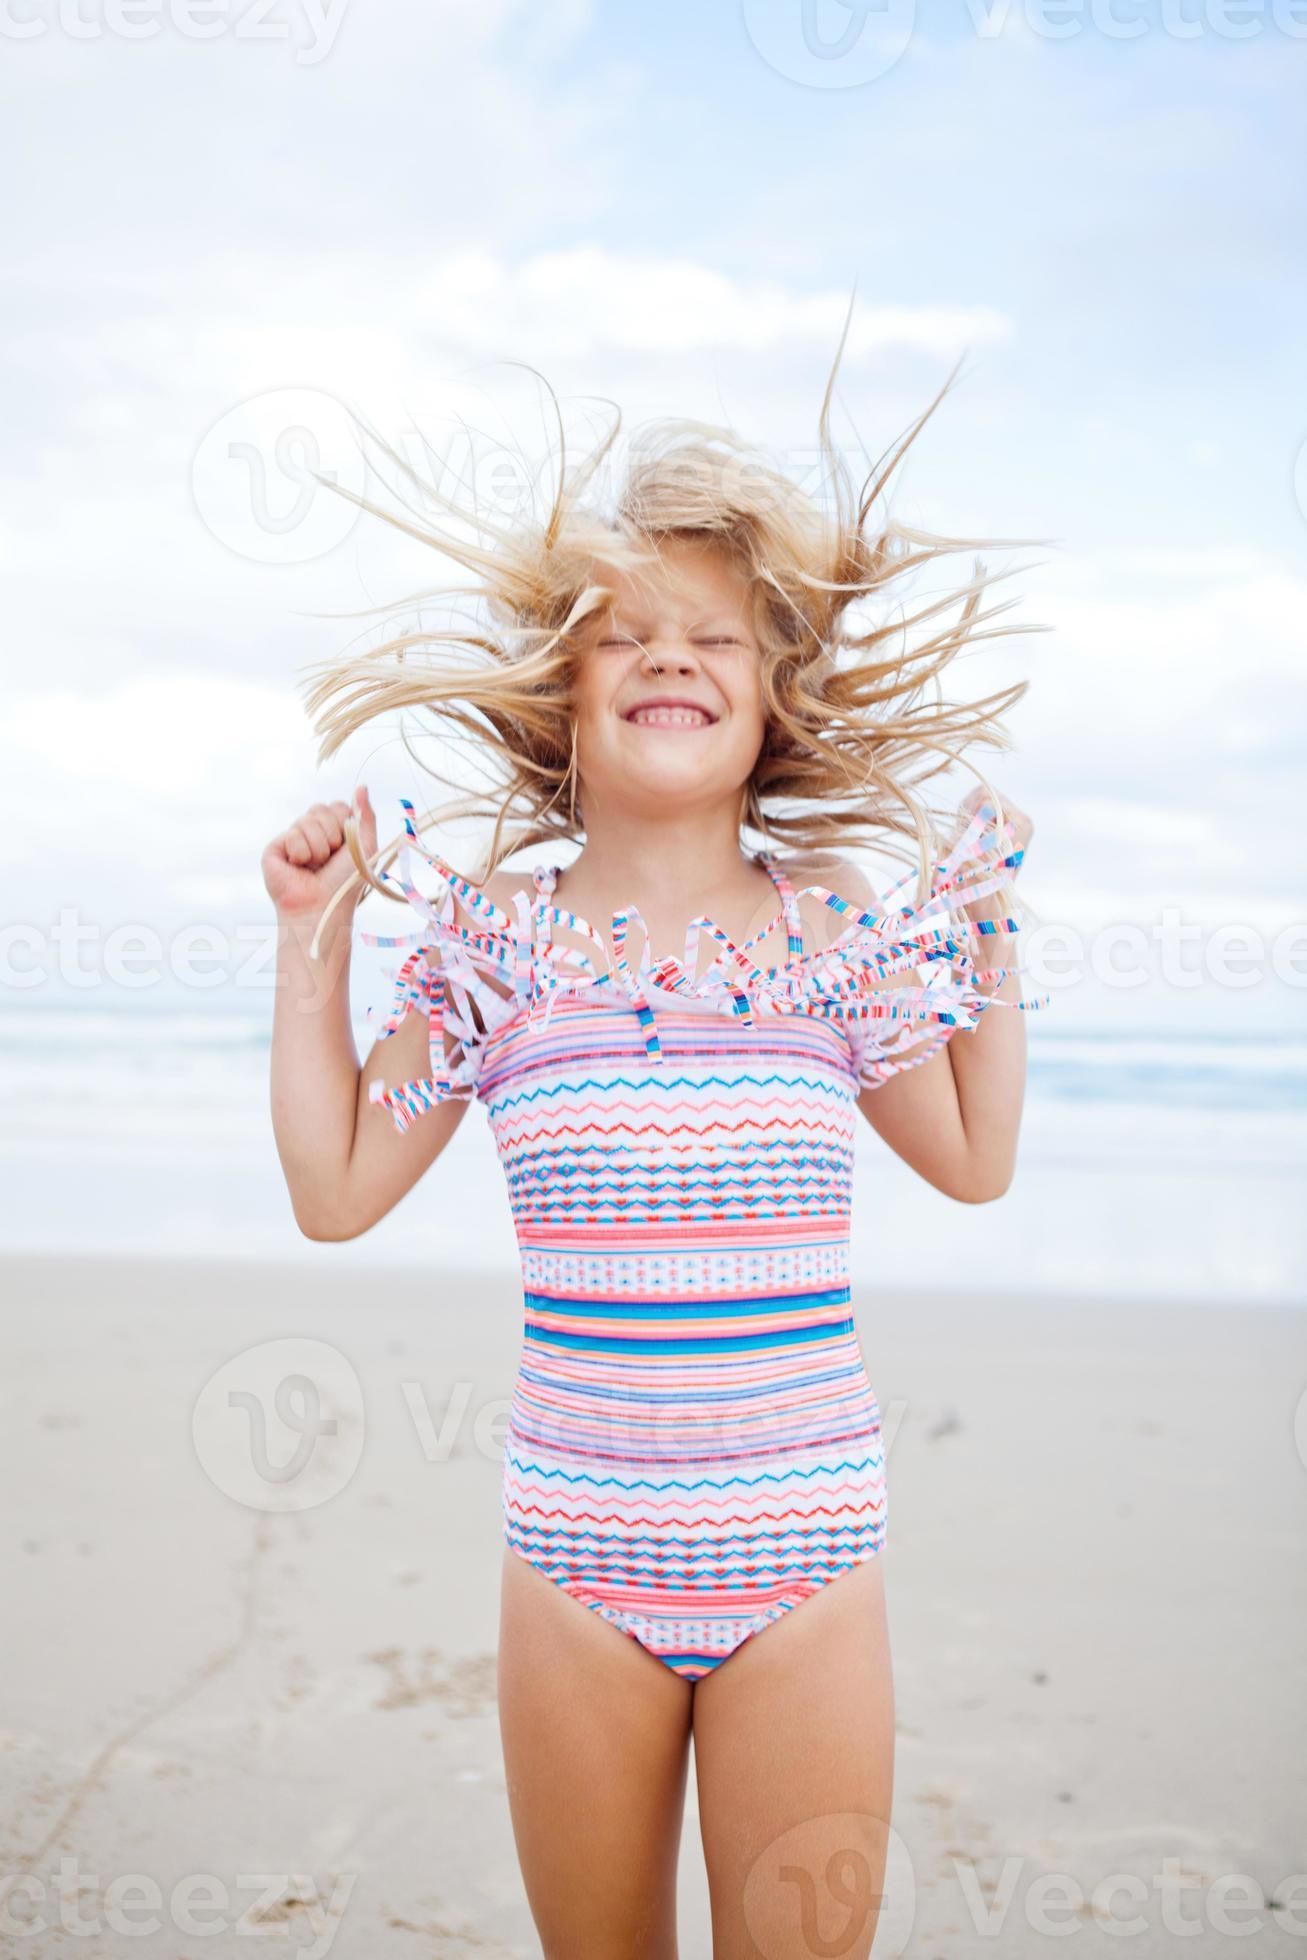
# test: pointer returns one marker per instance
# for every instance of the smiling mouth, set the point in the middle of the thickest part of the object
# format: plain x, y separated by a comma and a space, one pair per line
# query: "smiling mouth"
669, 718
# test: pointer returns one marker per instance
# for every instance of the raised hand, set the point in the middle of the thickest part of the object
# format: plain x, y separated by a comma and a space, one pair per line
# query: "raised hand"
308, 862
1023, 828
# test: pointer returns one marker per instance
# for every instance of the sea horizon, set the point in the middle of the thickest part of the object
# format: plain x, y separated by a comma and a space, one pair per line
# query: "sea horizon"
1164, 1163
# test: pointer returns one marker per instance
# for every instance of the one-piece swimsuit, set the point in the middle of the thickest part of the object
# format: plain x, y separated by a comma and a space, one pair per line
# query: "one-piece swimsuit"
694, 1446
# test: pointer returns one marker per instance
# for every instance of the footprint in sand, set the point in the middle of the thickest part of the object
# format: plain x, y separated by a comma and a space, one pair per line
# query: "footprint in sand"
463, 1687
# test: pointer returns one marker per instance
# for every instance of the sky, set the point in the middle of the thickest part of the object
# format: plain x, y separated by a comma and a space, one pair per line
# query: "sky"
228, 237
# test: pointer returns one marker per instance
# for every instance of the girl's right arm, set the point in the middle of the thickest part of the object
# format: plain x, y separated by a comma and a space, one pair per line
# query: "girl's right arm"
345, 1163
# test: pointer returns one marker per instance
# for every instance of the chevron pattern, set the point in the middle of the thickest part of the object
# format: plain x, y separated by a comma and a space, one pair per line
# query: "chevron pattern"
693, 1445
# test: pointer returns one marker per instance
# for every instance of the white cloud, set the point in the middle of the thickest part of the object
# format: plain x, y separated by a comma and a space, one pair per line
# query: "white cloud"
578, 301
1160, 742
185, 735
369, 324
132, 790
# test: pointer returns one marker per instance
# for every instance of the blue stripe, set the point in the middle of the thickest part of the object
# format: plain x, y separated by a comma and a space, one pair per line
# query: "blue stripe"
624, 1309
719, 1344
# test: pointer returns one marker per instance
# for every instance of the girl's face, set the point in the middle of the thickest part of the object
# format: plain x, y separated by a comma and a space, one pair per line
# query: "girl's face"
680, 634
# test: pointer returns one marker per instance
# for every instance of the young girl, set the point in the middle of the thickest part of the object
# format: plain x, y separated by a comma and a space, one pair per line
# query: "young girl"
694, 1451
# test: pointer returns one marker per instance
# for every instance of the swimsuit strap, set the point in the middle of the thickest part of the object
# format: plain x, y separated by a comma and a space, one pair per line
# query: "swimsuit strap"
789, 899
545, 877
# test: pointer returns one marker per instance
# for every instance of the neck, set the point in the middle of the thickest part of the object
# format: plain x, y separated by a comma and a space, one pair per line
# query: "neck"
671, 860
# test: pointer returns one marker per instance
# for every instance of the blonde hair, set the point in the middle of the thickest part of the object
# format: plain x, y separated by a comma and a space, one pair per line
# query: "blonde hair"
856, 721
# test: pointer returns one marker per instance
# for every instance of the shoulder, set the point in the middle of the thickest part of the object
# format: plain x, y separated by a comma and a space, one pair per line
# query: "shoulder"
833, 873
501, 888
830, 870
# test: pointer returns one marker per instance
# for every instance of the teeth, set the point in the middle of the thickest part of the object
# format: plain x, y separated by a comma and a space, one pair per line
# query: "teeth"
670, 717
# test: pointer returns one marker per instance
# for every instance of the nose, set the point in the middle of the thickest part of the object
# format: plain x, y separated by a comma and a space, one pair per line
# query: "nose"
669, 649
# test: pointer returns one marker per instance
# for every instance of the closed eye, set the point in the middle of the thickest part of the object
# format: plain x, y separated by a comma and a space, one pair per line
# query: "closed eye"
701, 639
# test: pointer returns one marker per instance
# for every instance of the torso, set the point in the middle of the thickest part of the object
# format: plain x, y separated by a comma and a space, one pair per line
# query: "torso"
694, 1445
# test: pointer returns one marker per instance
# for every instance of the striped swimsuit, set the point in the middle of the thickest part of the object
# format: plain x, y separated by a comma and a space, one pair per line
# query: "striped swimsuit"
694, 1446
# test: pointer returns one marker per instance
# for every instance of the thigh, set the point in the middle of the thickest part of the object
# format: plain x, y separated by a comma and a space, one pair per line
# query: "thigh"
595, 1735
794, 1758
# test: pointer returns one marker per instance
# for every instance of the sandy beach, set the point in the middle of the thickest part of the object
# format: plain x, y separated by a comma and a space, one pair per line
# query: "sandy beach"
239, 1701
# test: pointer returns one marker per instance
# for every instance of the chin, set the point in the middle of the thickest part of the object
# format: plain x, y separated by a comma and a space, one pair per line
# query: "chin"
656, 779
674, 778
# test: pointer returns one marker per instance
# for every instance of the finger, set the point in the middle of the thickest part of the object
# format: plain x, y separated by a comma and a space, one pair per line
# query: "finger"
367, 818
317, 836
296, 847
324, 815
333, 827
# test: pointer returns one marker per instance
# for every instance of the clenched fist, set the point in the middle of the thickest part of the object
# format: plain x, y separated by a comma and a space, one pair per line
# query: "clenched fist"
990, 906
1023, 828
308, 863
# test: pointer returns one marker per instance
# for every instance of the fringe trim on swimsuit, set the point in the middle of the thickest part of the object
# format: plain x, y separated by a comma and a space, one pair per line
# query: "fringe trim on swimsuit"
890, 1027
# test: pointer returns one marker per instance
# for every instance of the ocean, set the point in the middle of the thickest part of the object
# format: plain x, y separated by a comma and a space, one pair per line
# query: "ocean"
1153, 1164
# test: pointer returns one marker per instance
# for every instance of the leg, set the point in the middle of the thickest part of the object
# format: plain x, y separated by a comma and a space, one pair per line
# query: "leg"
596, 1741
794, 1756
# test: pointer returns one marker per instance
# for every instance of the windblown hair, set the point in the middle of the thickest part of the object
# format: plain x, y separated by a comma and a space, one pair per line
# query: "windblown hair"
856, 720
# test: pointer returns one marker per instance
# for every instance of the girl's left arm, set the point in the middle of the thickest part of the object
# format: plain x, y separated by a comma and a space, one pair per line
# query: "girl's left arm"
956, 1118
